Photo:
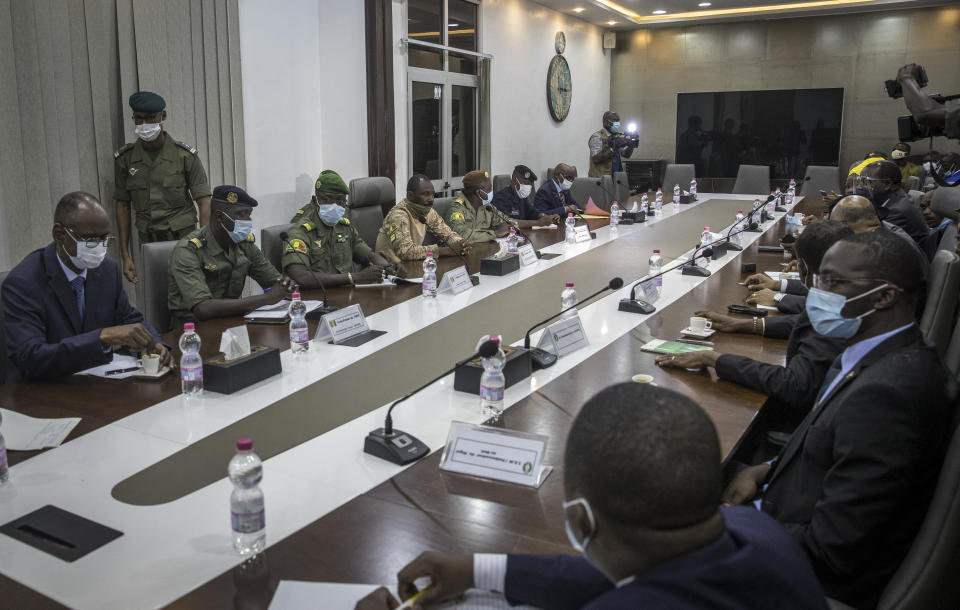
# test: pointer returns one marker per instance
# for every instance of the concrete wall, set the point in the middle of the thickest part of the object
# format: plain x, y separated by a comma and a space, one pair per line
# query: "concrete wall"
856, 51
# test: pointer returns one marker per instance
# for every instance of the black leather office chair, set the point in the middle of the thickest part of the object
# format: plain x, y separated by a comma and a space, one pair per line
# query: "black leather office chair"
752, 180
680, 174
943, 292
501, 181
590, 188
155, 280
271, 245
368, 196
820, 178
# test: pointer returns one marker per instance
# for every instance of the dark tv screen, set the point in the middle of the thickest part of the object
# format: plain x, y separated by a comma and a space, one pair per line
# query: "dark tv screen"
786, 129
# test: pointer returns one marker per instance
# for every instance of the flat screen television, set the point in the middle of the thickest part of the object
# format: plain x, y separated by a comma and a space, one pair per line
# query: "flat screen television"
786, 129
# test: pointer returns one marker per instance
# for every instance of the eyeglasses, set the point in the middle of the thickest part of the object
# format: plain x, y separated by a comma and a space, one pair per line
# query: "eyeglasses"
90, 242
828, 282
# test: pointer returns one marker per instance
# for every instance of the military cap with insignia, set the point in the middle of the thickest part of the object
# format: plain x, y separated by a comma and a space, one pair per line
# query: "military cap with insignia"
329, 180
233, 195
524, 172
146, 101
475, 178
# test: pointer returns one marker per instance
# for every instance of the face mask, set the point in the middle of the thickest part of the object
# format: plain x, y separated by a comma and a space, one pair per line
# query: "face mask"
524, 190
566, 184
898, 154
148, 132
615, 127
241, 229
486, 200
824, 310
863, 192
581, 547
330, 213
87, 257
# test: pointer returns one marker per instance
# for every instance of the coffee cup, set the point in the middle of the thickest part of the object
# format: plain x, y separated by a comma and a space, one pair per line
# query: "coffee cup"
642, 378
150, 363
699, 324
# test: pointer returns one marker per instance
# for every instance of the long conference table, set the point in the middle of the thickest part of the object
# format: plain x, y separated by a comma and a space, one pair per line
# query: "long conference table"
147, 462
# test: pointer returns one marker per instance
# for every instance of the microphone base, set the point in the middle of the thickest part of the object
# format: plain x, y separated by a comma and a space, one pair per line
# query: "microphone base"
319, 312
541, 358
474, 280
399, 448
753, 229
636, 306
721, 249
779, 209
696, 270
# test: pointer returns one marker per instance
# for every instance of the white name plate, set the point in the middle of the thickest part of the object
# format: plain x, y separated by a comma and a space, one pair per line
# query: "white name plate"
528, 255
456, 280
582, 233
495, 453
342, 324
563, 337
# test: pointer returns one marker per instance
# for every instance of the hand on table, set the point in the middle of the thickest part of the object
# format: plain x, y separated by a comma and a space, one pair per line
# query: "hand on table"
379, 600
502, 230
450, 576
727, 324
745, 485
760, 281
397, 269
690, 360
762, 297
371, 274
135, 336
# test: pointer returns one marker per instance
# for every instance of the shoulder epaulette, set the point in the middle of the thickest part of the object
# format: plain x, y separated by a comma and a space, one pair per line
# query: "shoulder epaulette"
187, 147
299, 212
198, 242
458, 201
345, 221
251, 238
122, 150
307, 225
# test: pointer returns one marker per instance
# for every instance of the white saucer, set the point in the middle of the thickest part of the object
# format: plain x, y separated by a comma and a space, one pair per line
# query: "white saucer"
700, 335
143, 375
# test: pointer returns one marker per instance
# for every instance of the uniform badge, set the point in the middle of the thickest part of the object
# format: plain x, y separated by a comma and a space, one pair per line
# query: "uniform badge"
345, 221
308, 226
318, 243
299, 246
456, 216
341, 238
231, 197
196, 242
209, 266
133, 171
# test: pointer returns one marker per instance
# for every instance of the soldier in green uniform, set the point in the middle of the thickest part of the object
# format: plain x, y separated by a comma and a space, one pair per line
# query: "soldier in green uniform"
159, 178
471, 216
209, 266
324, 245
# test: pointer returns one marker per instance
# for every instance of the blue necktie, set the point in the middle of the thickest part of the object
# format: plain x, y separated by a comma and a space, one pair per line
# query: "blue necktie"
77, 285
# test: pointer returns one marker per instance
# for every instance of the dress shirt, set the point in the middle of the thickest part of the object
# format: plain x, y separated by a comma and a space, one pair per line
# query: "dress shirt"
67, 271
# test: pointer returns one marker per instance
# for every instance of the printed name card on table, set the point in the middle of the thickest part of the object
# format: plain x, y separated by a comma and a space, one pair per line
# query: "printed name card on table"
342, 324
528, 255
563, 337
582, 233
495, 453
456, 280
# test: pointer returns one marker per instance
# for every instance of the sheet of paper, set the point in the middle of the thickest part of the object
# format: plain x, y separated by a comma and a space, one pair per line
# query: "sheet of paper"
384, 284
550, 227
24, 433
284, 304
593, 217
119, 362
777, 275
301, 595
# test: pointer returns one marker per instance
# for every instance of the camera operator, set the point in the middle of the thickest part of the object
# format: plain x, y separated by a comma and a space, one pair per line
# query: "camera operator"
925, 109
609, 146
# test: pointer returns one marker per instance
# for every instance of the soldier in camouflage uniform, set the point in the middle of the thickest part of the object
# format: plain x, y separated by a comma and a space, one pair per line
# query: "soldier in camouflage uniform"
471, 215
401, 236
160, 178
209, 267
324, 245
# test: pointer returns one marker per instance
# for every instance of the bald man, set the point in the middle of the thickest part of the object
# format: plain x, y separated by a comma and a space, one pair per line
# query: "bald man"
553, 196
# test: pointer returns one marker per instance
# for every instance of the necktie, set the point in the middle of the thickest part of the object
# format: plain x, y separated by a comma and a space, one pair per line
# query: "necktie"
77, 285
563, 200
832, 373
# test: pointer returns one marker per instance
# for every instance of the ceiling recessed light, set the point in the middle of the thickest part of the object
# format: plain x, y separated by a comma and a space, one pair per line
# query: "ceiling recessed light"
579, 9
453, 25
704, 4
611, 23
659, 11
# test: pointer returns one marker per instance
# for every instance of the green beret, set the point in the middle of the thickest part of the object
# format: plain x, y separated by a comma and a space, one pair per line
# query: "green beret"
475, 178
329, 180
147, 101
233, 195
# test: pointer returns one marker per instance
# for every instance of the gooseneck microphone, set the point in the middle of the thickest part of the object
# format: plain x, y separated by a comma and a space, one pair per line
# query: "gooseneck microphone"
541, 358
423, 219
399, 447
285, 238
512, 223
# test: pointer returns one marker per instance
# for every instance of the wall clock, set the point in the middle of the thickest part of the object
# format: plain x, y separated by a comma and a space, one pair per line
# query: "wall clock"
559, 88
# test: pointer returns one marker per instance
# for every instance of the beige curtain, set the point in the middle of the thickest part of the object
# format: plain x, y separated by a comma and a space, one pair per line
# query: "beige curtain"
67, 68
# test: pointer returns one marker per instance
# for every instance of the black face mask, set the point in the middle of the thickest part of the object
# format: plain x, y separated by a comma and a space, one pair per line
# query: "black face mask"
864, 192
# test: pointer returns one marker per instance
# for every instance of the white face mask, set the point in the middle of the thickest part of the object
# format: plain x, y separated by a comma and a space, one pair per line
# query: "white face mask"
578, 545
148, 132
524, 190
87, 257
898, 154
566, 184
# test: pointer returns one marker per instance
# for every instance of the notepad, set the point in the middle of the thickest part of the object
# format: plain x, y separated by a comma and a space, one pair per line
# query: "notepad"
660, 346
300, 595
278, 311
24, 433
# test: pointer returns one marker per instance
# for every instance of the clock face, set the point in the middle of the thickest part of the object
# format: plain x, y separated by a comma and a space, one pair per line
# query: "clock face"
560, 42
559, 88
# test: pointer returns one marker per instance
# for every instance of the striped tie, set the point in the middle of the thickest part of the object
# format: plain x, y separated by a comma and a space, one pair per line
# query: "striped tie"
77, 285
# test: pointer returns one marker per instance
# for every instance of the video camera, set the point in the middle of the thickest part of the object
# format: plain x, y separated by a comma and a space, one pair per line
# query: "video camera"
619, 140
908, 129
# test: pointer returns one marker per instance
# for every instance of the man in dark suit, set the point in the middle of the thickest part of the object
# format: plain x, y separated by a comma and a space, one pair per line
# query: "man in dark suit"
553, 197
792, 388
642, 482
853, 484
514, 200
64, 304
894, 205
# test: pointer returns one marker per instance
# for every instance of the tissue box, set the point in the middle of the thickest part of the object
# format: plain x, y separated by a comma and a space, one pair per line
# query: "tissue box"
516, 369
229, 376
688, 198
499, 266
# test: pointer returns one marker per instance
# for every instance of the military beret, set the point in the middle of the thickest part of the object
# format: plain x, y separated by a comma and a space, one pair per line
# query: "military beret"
474, 178
147, 101
233, 195
525, 172
329, 180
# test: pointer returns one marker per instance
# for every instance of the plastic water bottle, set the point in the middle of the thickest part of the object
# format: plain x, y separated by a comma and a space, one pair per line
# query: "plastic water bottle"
772, 203
653, 288
568, 298
659, 202
191, 365
739, 226
492, 383
570, 237
615, 211
693, 188
429, 276
791, 191
645, 202
4, 469
512, 241
676, 193
299, 333
247, 519
705, 238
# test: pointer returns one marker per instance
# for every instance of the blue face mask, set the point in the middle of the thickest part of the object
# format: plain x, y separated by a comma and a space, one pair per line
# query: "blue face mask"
241, 229
863, 192
330, 213
824, 310
488, 199
615, 127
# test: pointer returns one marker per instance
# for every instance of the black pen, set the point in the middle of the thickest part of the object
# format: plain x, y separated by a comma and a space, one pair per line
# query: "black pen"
692, 342
119, 371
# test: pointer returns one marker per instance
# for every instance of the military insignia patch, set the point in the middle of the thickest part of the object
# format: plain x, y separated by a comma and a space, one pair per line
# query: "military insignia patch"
251, 237
210, 266
345, 221
299, 246
231, 197
134, 170
308, 226
341, 238
393, 237
457, 216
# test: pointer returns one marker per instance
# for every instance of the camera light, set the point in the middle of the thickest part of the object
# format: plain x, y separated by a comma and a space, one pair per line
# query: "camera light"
631, 127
